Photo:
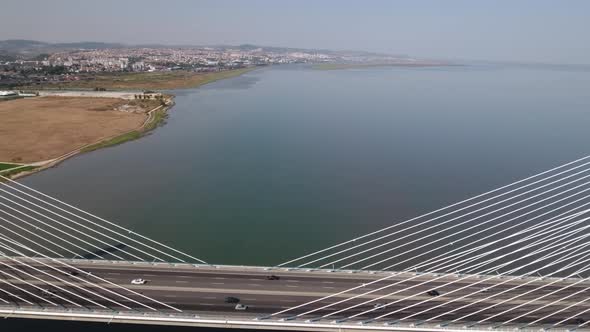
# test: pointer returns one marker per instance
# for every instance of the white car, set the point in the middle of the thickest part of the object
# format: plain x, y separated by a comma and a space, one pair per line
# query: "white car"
241, 306
138, 281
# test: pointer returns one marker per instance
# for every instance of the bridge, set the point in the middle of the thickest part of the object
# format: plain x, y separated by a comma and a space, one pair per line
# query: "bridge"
516, 257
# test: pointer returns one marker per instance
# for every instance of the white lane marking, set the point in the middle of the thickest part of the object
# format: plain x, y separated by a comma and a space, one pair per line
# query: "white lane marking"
249, 299
184, 276
206, 304
169, 295
292, 280
217, 283
327, 282
114, 273
181, 282
219, 278
292, 286
253, 285
328, 287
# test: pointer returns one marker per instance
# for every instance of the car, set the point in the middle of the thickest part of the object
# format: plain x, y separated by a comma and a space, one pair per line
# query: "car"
484, 290
138, 281
241, 307
73, 273
272, 277
433, 292
231, 299
378, 306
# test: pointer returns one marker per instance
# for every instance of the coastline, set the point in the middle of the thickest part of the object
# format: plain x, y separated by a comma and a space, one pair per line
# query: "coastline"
344, 66
155, 118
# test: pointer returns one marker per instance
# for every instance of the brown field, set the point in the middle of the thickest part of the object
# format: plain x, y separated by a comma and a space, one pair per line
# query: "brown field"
44, 128
146, 81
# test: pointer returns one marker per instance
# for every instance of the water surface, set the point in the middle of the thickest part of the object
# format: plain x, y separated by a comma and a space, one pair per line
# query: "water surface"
281, 161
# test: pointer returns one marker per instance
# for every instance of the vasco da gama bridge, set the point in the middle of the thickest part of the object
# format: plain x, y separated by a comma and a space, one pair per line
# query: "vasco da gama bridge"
513, 258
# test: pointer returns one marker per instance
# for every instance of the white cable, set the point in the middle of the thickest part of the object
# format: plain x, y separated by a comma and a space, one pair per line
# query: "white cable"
562, 309
100, 279
458, 224
37, 287
15, 296
496, 233
44, 231
26, 291
60, 279
81, 225
505, 291
585, 268
340, 293
559, 261
130, 231
526, 238
471, 268
444, 208
62, 224
375, 290
29, 240
46, 282
414, 295
553, 302
510, 289
572, 317
96, 224
468, 251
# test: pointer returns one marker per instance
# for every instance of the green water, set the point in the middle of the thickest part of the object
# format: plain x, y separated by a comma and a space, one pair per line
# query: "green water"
281, 161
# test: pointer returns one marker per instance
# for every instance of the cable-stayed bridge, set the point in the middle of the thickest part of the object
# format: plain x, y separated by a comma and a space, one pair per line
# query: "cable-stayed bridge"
516, 257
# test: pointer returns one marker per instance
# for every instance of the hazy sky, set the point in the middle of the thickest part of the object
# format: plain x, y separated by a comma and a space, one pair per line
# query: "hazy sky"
527, 30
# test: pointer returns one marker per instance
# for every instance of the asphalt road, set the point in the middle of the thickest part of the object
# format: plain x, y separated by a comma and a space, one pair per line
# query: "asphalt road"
202, 290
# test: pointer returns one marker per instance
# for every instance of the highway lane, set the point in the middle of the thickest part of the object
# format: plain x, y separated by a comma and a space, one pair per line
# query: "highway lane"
203, 290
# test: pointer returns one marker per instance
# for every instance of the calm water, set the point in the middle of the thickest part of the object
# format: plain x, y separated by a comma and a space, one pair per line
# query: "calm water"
268, 166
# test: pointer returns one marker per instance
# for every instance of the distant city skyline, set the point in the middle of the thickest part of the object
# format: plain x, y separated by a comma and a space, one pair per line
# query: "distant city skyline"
527, 30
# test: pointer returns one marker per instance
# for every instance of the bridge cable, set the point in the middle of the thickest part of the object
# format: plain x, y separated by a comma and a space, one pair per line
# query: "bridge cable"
459, 224
3, 245
414, 286
357, 296
444, 208
81, 225
76, 269
105, 221
454, 218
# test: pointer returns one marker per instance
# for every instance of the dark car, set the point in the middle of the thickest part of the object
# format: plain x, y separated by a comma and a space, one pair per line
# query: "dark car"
272, 277
48, 293
74, 273
433, 292
231, 299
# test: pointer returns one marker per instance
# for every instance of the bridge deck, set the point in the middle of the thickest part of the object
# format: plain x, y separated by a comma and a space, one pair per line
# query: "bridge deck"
201, 290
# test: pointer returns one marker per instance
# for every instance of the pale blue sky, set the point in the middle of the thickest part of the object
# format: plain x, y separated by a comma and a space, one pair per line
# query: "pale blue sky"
527, 30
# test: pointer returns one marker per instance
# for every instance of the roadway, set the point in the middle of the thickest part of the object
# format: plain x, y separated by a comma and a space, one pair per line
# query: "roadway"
202, 290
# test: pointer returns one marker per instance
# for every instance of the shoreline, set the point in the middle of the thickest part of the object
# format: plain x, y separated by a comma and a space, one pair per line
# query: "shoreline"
155, 118
152, 122
344, 66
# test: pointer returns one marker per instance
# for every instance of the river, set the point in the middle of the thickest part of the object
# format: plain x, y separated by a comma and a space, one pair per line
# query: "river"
281, 161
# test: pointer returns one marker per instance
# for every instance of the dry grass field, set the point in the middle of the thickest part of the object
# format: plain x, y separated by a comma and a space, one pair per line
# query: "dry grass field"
146, 81
44, 128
